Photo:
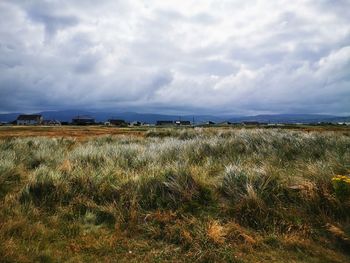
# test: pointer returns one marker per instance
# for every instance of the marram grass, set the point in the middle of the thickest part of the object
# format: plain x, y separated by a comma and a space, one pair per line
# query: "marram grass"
191, 195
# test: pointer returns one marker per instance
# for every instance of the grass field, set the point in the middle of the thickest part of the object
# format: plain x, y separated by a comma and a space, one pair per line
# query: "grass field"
84, 132
77, 132
101, 194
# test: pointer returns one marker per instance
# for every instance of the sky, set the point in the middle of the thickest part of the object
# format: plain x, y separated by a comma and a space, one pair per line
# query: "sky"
238, 57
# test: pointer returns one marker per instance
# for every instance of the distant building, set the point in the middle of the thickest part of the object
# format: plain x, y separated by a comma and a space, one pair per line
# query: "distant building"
117, 122
164, 123
344, 123
250, 123
182, 123
51, 122
83, 120
135, 123
147, 124
210, 123
30, 119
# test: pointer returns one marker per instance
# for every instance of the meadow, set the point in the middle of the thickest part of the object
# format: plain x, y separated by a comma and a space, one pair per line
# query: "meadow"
176, 195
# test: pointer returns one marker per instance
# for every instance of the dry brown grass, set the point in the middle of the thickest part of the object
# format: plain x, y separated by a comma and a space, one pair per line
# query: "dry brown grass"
78, 132
86, 132
216, 232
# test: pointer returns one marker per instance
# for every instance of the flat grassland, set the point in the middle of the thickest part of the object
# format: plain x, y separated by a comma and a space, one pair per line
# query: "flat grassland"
77, 132
84, 132
102, 194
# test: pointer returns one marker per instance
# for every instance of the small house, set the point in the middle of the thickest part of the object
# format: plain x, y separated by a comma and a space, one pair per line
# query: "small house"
146, 124
182, 123
250, 123
29, 119
135, 123
117, 122
210, 123
83, 120
51, 123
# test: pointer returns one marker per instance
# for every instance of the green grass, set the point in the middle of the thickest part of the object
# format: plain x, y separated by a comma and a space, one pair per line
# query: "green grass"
183, 195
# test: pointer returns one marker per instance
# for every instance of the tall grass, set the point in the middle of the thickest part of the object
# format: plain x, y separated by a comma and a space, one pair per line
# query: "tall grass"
204, 191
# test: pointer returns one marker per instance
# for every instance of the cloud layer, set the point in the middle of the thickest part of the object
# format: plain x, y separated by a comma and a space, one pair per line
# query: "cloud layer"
215, 56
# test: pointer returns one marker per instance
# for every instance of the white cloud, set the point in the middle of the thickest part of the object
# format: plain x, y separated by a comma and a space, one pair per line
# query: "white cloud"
213, 56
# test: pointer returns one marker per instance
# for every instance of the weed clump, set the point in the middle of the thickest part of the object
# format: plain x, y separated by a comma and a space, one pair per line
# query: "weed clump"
46, 188
238, 184
10, 177
174, 189
341, 185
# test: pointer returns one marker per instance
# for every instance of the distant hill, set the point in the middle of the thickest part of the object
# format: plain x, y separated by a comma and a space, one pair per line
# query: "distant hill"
291, 118
67, 115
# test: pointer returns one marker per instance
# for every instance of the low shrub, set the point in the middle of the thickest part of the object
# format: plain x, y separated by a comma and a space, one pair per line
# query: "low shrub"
341, 185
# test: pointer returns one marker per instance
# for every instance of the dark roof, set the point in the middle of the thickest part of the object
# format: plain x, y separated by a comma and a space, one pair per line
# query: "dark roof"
28, 117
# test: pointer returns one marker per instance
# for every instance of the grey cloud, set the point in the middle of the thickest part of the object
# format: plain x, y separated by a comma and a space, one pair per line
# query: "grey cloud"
166, 56
53, 23
87, 63
50, 18
199, 18
209, 67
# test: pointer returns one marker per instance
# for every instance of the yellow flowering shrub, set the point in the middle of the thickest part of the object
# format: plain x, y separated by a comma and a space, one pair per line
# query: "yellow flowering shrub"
341, 185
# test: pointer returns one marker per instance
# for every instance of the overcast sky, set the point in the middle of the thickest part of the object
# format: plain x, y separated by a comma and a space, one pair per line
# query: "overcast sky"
171, 56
